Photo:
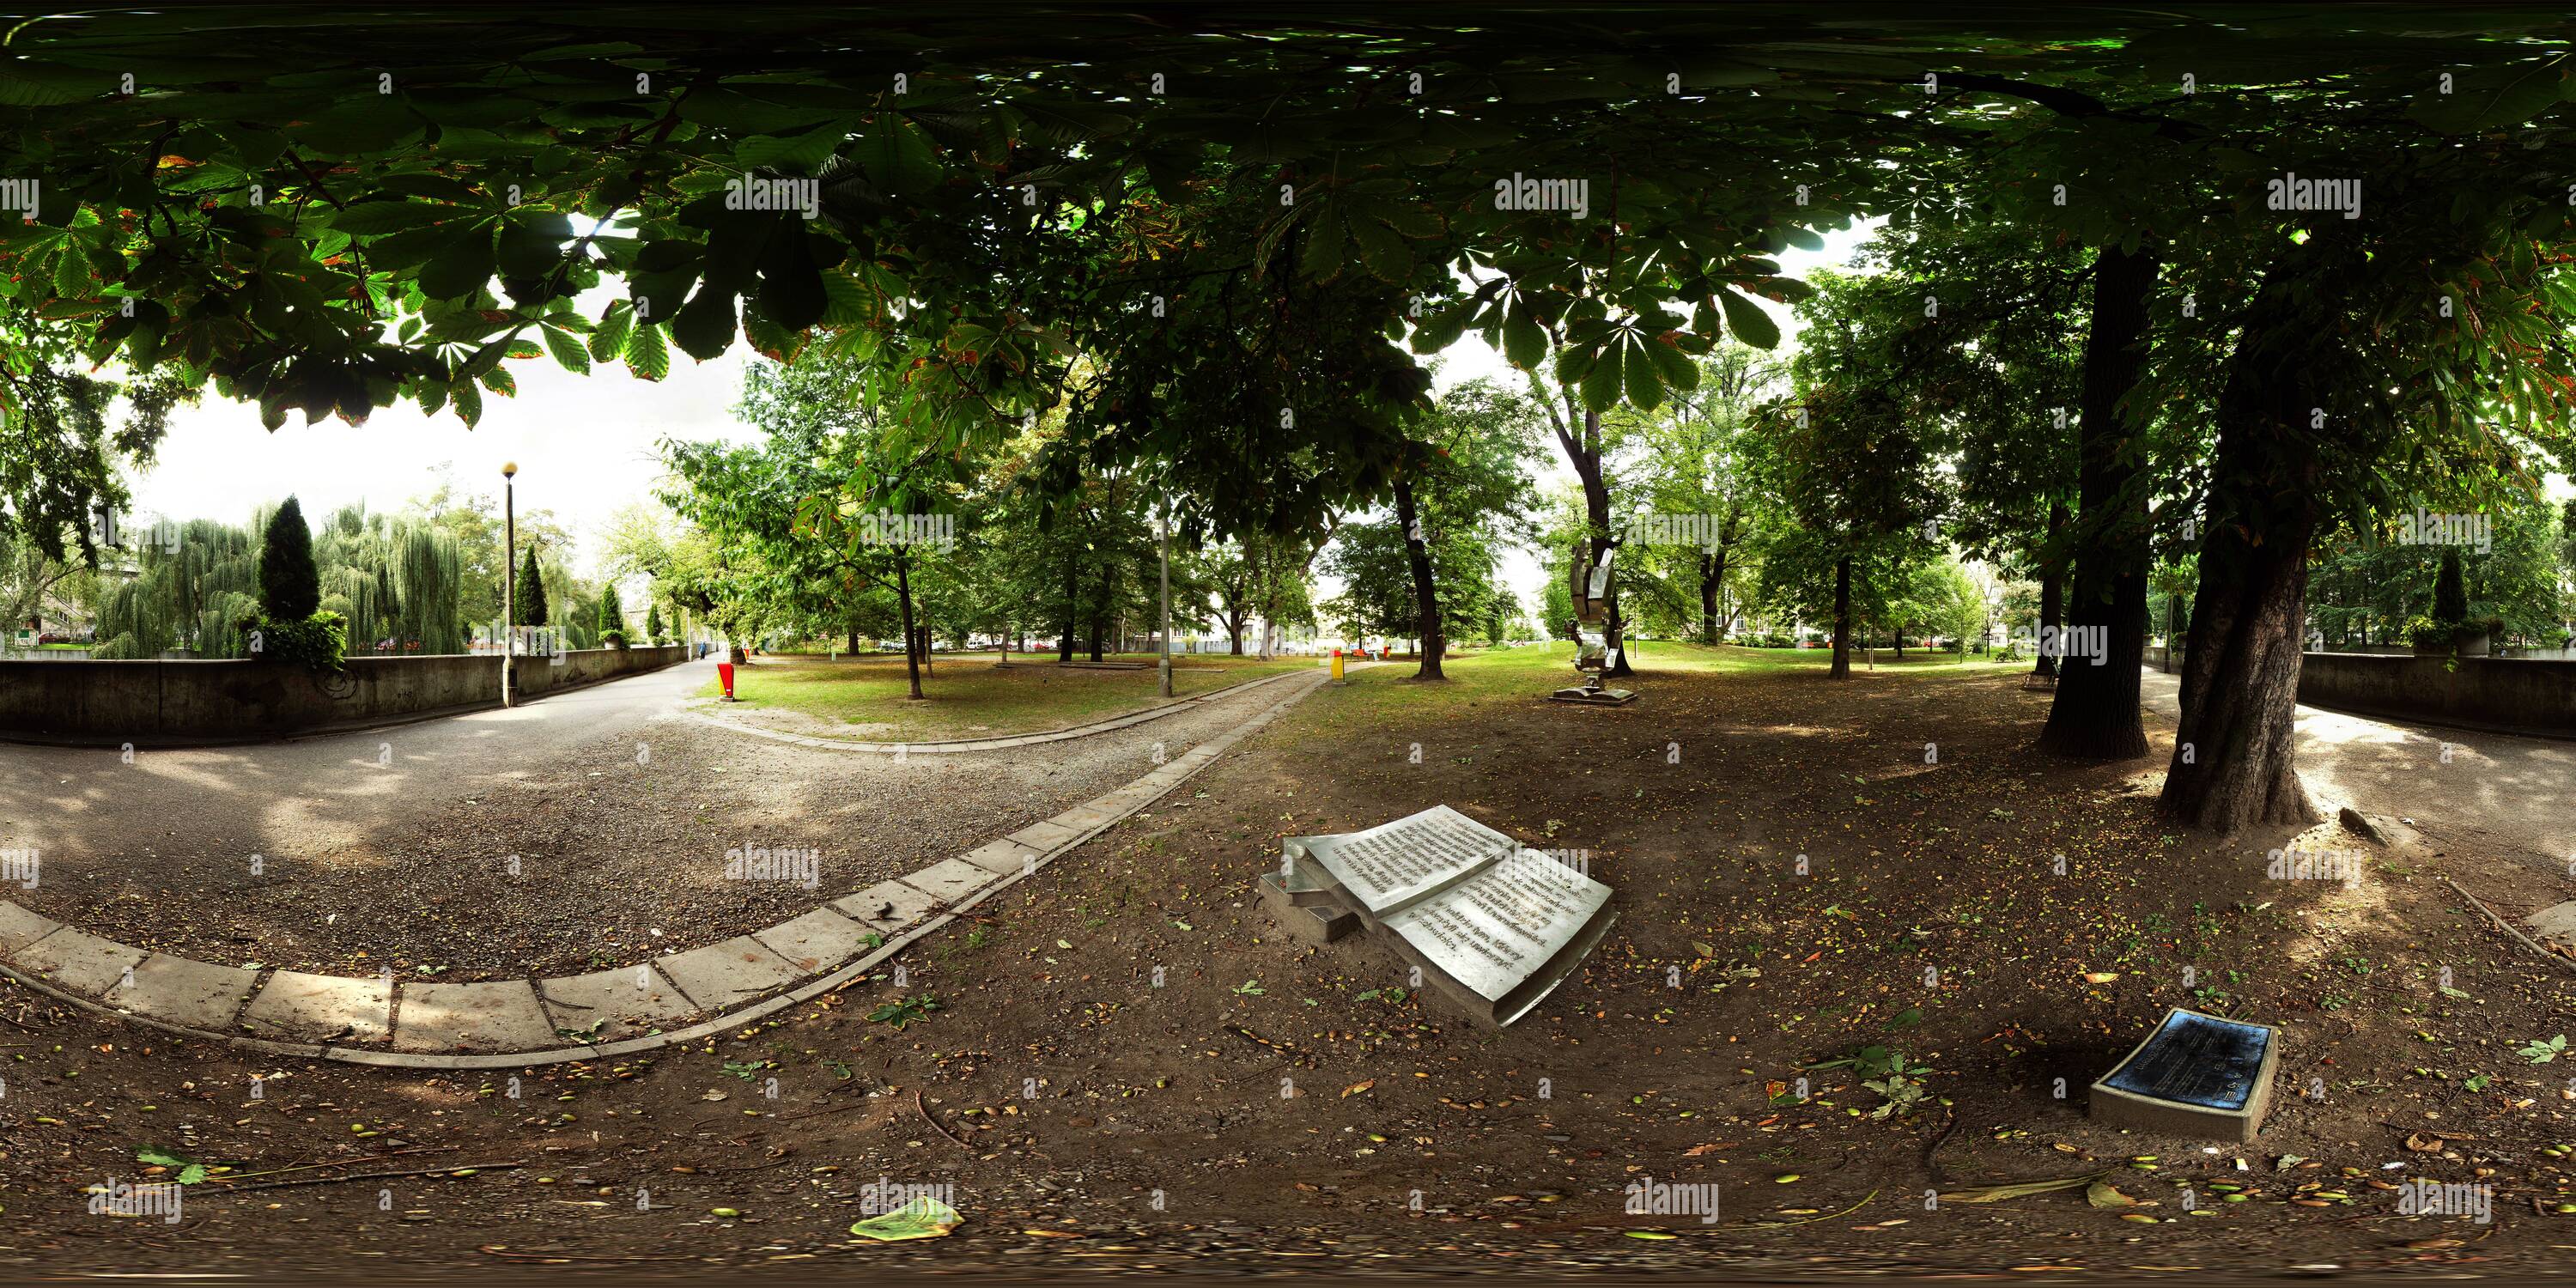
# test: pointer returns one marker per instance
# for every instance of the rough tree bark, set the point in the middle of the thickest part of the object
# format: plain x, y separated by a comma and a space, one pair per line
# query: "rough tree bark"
1426, 604
1712, 570
2052, 595
2096, 713
1842, 620
1072, 589
903, 596
2235, 746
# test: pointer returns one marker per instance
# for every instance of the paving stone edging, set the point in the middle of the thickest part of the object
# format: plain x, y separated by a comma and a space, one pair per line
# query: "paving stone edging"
955, 746
160, 991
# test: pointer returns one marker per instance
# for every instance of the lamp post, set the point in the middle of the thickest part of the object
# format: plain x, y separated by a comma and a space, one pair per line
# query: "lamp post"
509, 578
1165, 573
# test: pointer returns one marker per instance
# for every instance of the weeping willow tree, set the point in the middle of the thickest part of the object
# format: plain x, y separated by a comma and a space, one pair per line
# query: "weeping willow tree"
392, 579
189, 594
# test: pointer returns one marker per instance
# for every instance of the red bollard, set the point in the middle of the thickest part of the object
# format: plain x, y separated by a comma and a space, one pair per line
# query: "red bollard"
724, 674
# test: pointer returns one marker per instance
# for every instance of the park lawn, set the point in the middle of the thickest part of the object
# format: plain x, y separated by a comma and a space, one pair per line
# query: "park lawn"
964, 695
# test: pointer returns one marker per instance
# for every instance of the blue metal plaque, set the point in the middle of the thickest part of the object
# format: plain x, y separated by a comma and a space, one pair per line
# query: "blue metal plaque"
2196, 1059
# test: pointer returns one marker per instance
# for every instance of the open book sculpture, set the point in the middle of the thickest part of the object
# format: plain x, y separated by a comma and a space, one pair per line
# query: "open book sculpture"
1494, 926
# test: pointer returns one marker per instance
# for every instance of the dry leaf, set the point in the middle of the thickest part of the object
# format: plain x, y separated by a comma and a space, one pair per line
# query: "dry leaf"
2102, 1194
1357, 1087
2016, 1189
2424, 1143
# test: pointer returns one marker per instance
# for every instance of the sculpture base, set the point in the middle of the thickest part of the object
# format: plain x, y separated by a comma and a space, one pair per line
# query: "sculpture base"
1587, 697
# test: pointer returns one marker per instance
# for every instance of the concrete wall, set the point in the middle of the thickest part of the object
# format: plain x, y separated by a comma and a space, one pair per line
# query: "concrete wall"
2507, 693
184, 701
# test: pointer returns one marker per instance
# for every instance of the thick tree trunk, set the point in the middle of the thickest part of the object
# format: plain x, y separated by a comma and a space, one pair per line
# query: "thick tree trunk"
1712, 573
1586, 459
853, 649
1842, 620
1234, 637
1100, 613
903, 597
1426, 603
1072, 590
2052, 596
2096, 714
2235, 748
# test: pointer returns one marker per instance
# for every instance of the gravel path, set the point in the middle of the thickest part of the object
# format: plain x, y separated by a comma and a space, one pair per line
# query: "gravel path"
587, 830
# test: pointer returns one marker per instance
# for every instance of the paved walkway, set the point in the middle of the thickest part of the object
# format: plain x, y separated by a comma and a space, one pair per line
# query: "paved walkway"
2509, 795
603, 1014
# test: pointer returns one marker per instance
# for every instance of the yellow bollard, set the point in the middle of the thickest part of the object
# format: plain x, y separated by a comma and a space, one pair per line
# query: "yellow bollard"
1337, 664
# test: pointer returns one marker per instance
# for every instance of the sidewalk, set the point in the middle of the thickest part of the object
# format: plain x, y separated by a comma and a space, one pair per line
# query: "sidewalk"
2513, 796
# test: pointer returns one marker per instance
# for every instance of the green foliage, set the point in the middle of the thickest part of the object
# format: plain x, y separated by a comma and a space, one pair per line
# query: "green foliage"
2450, 591
2425, 633
611, 619
653, 621
904, 1010
290, 586
528, 597
319, 642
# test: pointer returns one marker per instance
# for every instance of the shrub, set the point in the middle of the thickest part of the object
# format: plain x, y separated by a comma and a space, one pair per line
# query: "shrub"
319, 642
2491, 626
2450, 594
2424, 632
612, 639
528, 599
290, 586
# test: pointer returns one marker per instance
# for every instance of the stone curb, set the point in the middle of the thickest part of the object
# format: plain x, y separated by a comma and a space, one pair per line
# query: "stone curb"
957, 746
54, 959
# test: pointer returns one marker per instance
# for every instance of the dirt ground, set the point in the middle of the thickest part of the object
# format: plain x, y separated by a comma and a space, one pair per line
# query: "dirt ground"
1130, 1068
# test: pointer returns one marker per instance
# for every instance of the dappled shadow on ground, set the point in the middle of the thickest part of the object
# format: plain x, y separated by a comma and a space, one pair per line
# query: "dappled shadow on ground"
581, 831
1130, 1058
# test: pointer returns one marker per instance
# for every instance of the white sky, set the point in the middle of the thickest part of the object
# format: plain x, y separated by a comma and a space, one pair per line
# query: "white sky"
585, 444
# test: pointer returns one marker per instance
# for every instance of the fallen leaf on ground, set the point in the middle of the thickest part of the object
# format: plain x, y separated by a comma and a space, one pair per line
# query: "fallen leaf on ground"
2001, 1191
922, 1218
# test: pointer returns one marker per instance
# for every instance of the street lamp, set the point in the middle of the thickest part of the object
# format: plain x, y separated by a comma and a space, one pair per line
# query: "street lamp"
509, 578
1165, 684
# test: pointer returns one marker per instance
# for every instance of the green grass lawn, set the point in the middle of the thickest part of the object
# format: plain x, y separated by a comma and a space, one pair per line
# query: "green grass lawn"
966, 695
1531, 672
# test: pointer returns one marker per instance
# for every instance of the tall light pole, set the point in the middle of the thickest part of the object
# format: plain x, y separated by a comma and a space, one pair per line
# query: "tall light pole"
1166, 574
509, 578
